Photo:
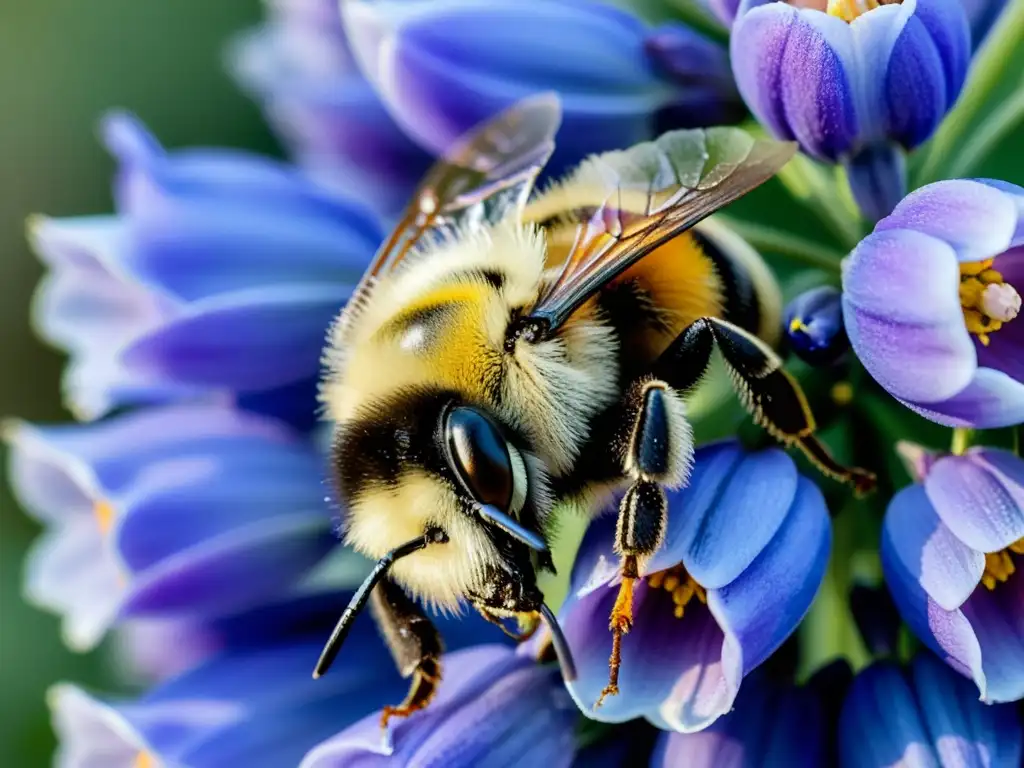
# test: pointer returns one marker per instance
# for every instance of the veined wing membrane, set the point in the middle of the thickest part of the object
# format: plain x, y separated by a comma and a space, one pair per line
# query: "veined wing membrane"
639, 198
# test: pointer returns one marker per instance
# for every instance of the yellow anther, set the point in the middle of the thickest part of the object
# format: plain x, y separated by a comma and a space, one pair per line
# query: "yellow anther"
999, 567
1017, 547
678, 583
796, 324
144, 760
988, 302
848, 10
973, 268
103, 511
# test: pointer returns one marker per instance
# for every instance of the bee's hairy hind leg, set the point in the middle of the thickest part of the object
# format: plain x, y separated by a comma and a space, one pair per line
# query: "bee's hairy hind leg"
652, 435
415, 645
771, 395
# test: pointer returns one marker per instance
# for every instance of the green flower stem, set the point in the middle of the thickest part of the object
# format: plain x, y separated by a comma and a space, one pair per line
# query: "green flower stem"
792, 247
961, 440
1002, 43
997, 126
818, 191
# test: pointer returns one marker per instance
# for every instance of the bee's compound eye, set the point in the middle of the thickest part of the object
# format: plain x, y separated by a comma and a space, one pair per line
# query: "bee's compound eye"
480, 455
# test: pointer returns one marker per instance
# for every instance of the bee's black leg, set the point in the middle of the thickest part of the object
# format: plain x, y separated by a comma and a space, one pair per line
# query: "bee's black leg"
655, 442
771, 395
414, 642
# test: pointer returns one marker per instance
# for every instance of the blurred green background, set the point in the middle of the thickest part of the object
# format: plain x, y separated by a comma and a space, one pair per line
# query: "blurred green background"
62, 64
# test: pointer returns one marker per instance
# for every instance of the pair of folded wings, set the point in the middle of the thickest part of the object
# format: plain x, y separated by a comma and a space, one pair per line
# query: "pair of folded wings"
627, 203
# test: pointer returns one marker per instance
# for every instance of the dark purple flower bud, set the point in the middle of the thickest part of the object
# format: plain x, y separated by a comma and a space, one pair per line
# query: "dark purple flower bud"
813, 324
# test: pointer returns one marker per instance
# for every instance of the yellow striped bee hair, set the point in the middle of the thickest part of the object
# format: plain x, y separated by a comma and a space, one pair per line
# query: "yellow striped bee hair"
509, 353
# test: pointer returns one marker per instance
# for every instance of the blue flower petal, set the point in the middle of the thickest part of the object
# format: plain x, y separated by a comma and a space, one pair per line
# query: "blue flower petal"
493, 708
915, 85
769, 727
881, 723
903, 315
963, 729
991, 399
980, 497
786, 576
947, 569
728, 513
247, 340
997, 620
947, 633
923, 716
975, 220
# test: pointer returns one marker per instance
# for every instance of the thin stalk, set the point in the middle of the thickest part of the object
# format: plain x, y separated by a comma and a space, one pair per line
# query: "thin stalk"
961, 440
997, 126
998, 50
792, 247
816, 190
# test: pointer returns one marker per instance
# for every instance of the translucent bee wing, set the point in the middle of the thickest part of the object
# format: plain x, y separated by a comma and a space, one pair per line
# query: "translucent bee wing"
487, 175
629, 202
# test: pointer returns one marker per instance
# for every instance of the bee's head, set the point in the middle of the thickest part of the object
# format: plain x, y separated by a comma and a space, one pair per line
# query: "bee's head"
421, 460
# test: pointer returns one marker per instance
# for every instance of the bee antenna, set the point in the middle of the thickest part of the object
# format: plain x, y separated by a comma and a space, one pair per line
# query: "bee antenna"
358, 601
561, 645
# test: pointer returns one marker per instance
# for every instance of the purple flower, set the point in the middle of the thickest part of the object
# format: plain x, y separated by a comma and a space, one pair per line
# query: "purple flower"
771, 725
931, 298
745, 551
494, 707
253, 701
298, 66
852, 86
183, 512
442, 67
951, 548
924, 715
218, 275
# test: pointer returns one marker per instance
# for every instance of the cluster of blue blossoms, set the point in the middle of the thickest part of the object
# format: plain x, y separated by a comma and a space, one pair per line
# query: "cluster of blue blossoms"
187, 513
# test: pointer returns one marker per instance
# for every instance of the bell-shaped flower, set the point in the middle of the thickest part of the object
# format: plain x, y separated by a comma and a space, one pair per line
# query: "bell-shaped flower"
219, 273
924, 715
855, 83
298, 66
442, 67
931, 301
953, 556
184, 512
494, 707
745, 550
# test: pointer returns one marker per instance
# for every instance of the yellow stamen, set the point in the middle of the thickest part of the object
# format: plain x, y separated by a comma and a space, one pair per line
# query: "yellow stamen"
999, 566
848, 10
796, 324
681, 585
103, 511
988, 302
144, 760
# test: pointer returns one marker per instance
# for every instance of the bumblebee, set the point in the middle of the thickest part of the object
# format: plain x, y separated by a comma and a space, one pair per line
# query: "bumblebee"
509, 353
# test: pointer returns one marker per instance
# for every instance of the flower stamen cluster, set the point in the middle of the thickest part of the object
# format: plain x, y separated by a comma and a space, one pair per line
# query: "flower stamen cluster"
681, 585
848, 10
1000, 566
988, 300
